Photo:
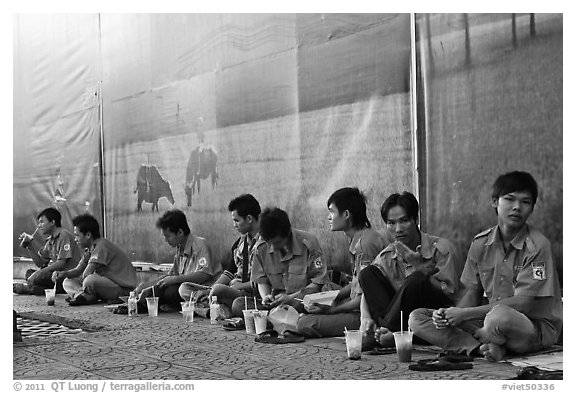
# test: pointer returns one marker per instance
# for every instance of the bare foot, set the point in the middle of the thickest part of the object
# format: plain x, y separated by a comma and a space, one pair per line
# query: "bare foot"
384, 337
486, 337
493, 352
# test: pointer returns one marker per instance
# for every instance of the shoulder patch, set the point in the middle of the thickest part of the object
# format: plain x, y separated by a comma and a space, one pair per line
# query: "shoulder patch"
483, 234
539, 270
202, 261
318, 262
67, 247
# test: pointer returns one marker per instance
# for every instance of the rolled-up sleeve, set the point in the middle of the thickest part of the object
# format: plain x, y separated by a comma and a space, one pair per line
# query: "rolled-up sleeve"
257, 274
449, 265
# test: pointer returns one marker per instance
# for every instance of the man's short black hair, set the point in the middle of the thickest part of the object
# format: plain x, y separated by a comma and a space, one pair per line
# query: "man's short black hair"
173, 220
274, 222
245, 205
86, 223
51, 214
406, 200
516, 181
353, 200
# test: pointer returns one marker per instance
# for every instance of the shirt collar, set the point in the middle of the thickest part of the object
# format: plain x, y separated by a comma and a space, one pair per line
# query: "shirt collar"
518, 241
52, 238
94, 244
355, 242
187, 249
293, 246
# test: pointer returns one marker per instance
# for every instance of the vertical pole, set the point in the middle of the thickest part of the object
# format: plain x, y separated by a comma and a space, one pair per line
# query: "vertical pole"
467, 38
514, 39
101, 112
429, 40
532, 25
414, 106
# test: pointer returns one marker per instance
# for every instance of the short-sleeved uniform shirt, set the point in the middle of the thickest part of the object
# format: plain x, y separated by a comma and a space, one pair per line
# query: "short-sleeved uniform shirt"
527, 269
303, 264
434, 250
61, 245
364, 247
113, 263
194, 257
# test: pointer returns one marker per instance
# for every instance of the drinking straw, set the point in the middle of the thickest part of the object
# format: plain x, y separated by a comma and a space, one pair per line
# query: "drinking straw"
255, 308
153, 295
246, 303
401, 321
190, 301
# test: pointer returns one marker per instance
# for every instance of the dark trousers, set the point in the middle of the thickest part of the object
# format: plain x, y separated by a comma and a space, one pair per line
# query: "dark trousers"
385, 303
41, 279
167, 295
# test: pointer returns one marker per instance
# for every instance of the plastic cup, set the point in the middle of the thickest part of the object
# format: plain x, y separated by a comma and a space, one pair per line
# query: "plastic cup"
403, 342
260, 320
50, 296
152, 303
354, 344
249, 321
188, 311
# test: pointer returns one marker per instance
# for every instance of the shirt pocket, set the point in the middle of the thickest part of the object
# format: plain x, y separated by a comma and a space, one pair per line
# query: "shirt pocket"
297, 276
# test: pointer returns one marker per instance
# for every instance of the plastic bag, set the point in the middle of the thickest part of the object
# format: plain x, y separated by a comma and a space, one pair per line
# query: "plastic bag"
283, 318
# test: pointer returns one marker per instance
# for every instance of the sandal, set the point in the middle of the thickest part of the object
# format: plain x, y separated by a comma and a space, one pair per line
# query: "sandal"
438, 365
533, 372
382, 351
79, 301
271, 337
234, 324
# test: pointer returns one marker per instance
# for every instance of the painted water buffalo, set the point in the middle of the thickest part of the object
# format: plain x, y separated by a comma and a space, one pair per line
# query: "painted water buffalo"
150, 187
201, 164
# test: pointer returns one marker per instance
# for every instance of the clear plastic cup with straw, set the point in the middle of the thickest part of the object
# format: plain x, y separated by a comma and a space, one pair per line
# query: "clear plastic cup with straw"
403, 341
248, 318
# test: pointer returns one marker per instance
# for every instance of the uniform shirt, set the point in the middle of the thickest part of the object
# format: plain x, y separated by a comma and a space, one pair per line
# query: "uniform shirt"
194, 257
364, 247
434, 250
526, 269
294, 271
244, 241
62, 245
113, 263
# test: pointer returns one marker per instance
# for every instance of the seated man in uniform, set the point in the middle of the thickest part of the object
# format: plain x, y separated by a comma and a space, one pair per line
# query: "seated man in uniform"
192, 263
416, 270
104, 272
287, 264
60, 252
235, 282
512, 264
346, 213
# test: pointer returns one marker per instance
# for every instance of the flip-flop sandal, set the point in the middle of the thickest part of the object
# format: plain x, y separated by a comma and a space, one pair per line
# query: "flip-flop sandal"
533, 372
438, 365
234, 324
455, 358
382, 351
292, 337
271, 337
79, 301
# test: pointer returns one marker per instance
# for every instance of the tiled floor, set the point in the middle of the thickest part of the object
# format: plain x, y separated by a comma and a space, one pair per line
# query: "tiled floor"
121, 347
